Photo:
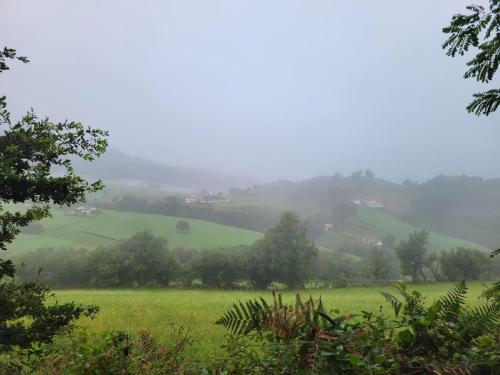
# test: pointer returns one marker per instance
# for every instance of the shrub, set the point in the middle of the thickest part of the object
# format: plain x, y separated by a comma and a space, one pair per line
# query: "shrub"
27, 321
220, 268
315, 285
112, 353
196, 283
243, 284
463, 264
177, 284
182, 226
444, 337
276, 285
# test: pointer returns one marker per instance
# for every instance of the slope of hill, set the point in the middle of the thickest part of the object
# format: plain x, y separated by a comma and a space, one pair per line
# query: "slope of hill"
457, 206
460, 206
442, 206
117, 165
110, 226
363, 223
377, 224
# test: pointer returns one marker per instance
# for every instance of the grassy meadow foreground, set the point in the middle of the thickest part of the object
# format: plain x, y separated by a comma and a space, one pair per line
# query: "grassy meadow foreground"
156, 310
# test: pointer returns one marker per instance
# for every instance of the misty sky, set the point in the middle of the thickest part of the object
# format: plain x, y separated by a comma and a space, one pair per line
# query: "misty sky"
267, 89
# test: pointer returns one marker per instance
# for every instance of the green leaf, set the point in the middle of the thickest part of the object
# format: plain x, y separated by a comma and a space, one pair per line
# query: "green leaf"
405, 337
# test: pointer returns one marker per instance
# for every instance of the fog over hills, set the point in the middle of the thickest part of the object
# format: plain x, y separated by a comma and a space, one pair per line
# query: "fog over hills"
271, 89
460, 206
117, 165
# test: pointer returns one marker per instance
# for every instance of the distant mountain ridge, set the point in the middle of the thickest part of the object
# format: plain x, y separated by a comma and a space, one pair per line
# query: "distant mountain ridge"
117, 165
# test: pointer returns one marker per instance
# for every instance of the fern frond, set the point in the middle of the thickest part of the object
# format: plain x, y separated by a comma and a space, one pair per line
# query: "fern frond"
147, 342
450, 306
284, 320
394, 302
244, 318
480, 319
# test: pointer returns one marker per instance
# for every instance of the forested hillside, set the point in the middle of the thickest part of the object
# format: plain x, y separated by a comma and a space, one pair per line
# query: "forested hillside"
466, 207
462, 207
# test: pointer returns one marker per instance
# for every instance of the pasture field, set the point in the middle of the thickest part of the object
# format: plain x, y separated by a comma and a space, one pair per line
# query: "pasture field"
104, 229
62, 230
155, 310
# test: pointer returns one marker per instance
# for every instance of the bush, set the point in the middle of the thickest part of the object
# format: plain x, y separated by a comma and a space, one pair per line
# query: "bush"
182, 226
141, 261
113, 353
463, 264
315, 285
276, 285
62, 268
176, 284
26, 319
196, 283
220, 268
243, 284
443, 337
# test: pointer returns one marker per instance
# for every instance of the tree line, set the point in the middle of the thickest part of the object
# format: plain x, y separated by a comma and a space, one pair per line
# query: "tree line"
284, 258
284, 255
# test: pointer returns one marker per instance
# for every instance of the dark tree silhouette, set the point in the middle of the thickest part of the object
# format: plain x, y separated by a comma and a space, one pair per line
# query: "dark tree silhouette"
30, 149
182, 226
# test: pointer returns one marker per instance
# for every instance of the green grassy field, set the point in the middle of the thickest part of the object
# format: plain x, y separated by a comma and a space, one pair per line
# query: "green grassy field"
377, 223
156, 310
367, 223
75, 231
89, 232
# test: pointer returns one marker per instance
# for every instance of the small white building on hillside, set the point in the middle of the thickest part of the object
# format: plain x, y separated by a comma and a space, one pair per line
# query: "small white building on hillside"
206, 198
190, 199
84, 211
372, 241
373, 203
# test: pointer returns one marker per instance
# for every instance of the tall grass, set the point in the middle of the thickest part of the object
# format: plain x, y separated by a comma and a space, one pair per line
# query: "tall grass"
156, 310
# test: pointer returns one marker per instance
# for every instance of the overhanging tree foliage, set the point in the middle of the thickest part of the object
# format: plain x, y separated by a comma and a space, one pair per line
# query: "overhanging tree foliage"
30, 151
479, 29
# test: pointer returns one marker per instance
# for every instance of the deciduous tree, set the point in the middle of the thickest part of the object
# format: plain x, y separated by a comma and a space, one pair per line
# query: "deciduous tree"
30, 149
284, 254
380, 264
412, 255
463, 264
182, 226
480, 28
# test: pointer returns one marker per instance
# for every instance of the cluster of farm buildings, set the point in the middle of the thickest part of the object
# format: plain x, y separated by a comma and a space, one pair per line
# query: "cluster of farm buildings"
83, 210
369, 203
205, 198
374, 203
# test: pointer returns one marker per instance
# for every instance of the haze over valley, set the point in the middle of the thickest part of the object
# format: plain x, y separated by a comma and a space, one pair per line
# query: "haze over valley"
234, 187
272, 91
